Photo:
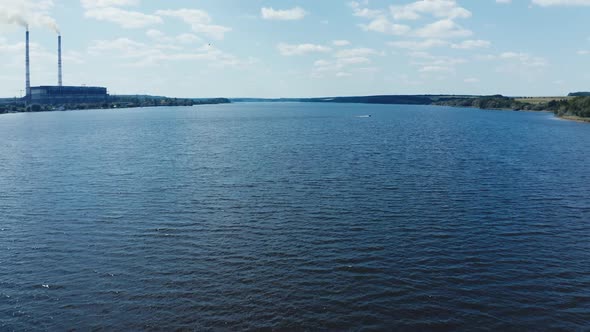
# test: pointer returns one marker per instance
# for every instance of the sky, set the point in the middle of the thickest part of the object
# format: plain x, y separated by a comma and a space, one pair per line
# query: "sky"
301, 48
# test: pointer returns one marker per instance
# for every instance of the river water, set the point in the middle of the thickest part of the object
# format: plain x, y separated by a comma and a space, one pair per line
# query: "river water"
294, 217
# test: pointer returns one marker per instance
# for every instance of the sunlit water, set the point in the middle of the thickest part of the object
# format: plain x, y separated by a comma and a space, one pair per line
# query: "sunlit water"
294, 216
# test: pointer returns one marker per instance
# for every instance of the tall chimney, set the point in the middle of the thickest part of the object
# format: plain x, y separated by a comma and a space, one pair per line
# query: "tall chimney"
59, 77
28, 65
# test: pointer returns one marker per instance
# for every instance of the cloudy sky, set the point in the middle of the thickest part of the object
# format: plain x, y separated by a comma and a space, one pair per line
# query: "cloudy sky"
297, 48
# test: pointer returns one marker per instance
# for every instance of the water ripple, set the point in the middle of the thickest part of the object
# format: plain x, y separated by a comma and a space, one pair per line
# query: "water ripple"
294, 217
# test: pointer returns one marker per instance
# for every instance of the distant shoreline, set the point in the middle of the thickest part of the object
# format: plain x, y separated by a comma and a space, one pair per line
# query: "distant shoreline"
562, 107
112, 103
573, 107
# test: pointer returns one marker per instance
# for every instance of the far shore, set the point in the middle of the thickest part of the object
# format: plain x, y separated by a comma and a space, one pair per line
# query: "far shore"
562, 117
113, 102
495, 102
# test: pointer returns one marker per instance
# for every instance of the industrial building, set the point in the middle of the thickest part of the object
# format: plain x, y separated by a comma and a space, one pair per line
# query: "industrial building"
60, 94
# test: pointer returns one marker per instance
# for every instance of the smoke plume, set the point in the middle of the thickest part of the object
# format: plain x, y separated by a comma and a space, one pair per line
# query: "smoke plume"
48, 22
13, 18
27, 12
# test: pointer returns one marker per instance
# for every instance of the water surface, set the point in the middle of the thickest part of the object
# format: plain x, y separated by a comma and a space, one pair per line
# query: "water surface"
294, 216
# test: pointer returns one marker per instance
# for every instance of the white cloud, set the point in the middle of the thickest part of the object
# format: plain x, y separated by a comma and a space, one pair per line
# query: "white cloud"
356, 52
155, 34
301, 49
353, 61
126, 46
429, 63
525, 58
340, 43
383, 25
187, 38
125, 18
199, 20
522, 59
367, 70
12, 48
379, 21
504, 1
471, 80
17, 48
423, 58
403, 13
471, 44
321, 63
486, 57
108, 3
548, 3
419, 45
443, 29
435, 69
338, 65
346, 61
448, 9
184, 38
359, 11
293, 14
141, 54
109, 11
433, 43
520, 64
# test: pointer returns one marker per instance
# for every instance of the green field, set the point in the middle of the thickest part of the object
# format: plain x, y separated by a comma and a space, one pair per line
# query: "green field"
540, 100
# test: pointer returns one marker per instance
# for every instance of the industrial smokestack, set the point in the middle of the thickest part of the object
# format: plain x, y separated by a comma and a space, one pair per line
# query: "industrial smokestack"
59, 77
28, 65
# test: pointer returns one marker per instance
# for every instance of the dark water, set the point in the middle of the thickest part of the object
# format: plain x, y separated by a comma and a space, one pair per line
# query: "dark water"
294, 216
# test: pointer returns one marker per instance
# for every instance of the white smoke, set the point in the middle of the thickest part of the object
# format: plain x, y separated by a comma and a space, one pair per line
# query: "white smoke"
45, 21
28, 12
7, 17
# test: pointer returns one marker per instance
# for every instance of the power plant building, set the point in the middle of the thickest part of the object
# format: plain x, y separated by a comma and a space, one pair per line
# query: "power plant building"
59, 94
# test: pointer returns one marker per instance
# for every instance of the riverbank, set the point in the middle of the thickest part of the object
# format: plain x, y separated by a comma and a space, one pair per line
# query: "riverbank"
567, 108
114, 102
575, 108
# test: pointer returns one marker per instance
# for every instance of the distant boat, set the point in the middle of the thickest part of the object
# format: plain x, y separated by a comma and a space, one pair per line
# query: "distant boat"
364, 116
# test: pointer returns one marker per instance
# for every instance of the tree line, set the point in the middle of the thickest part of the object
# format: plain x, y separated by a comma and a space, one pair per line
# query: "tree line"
112, 103
577, 106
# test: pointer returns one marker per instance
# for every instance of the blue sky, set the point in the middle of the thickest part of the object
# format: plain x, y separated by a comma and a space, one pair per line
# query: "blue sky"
290, 48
